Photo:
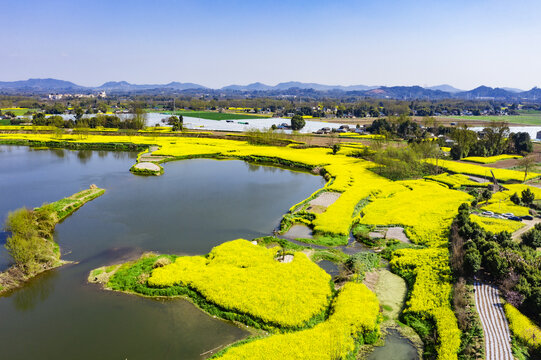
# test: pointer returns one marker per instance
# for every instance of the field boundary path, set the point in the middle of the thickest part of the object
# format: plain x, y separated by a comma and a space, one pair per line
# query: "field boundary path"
529, 224
495, 326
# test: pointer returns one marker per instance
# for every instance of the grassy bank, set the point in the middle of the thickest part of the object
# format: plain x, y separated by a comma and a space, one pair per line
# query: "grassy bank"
31, 244
254, 285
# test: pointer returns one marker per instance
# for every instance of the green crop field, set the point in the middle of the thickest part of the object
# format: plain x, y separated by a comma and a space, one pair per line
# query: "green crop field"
525, 117
209, 115
17, 111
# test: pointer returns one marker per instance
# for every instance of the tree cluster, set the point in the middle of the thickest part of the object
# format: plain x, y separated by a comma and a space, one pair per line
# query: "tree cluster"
514, 266
135, 122
493, 140
31, 244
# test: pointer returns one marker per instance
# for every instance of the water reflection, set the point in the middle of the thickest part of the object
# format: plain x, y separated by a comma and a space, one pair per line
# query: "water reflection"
252, 167
3, 237
35, 291
84, 156
60, 153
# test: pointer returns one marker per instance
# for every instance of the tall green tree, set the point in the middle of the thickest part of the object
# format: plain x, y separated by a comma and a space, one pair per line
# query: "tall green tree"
297, 122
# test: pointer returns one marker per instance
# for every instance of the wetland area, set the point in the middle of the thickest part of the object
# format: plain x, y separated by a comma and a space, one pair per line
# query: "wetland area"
196, 205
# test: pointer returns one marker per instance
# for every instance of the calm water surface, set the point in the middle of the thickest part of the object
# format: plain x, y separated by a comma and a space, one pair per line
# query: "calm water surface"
194, 206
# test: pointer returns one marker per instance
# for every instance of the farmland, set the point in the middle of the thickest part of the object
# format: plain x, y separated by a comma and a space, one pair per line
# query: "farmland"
219, 281
524, 118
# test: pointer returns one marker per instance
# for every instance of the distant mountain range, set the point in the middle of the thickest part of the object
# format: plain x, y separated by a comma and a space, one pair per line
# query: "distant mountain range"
445, 91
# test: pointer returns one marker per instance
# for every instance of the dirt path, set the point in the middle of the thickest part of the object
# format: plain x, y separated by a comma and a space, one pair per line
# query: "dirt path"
495, 326
83, 199
529, 224
148, 157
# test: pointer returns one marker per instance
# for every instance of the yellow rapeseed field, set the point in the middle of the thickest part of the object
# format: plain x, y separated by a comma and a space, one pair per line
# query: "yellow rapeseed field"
247, 278
455, 181
522, 327
355, 312
490, 159
424, 208
431, 293
501, 202
496, 225
478, 170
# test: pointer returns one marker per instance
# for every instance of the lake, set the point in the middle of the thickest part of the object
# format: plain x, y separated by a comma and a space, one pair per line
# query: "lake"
195, 205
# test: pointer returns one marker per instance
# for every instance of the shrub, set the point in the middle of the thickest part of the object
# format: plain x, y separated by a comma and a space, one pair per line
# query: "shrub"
528, 196
297, 122
515, 199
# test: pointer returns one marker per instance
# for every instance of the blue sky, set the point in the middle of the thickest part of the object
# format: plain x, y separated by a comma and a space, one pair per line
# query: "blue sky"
216, 43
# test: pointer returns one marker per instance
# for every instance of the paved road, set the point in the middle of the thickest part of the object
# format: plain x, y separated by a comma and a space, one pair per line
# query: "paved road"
495, 326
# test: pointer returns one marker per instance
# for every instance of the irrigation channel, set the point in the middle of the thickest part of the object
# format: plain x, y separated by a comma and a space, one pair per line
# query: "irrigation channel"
196, 205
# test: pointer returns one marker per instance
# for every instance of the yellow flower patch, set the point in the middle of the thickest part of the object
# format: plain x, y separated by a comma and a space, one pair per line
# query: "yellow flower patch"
425, 208
455, 181
431, 293
478, 170
355, 312
246, 278
522, 327
490, 159
496, 225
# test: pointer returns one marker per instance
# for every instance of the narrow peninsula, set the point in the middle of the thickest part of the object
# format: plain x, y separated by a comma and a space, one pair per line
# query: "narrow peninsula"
31, 243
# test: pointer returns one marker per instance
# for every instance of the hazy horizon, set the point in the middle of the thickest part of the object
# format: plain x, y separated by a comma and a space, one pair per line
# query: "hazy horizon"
375, 43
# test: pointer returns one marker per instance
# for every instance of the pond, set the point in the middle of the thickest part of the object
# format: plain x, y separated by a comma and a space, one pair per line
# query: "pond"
396, 347
194, 206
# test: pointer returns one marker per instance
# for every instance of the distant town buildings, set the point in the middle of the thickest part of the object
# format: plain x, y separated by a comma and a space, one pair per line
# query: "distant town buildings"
101, 94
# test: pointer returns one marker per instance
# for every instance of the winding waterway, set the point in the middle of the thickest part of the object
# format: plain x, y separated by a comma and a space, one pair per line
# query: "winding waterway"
194, 206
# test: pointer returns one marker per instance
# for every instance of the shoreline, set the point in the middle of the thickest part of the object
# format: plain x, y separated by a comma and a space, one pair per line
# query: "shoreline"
102, 275
15, 277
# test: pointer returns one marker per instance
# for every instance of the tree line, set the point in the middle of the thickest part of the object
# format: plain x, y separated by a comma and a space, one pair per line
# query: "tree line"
495, 139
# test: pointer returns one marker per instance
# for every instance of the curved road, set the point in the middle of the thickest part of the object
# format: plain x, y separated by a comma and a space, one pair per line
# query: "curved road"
495, 326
